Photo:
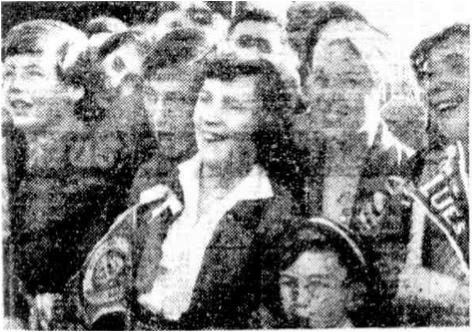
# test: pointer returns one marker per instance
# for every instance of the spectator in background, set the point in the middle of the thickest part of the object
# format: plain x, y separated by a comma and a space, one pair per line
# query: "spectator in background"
172, 81
193, 15
348, 64
39, 99
260, 30
442, 63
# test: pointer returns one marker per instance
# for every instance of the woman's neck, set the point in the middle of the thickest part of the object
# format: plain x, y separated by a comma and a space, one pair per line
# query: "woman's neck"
223, 177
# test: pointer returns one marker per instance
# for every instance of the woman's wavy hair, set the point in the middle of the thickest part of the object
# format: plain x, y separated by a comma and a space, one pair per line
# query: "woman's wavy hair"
276, 150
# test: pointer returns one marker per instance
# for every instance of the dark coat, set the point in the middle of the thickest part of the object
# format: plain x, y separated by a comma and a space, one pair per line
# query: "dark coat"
229, 285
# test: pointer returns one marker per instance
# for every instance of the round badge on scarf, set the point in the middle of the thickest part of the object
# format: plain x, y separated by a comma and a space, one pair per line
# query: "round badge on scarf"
107, 273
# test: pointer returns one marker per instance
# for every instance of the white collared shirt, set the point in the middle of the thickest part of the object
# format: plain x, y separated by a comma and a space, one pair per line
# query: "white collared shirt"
184, 247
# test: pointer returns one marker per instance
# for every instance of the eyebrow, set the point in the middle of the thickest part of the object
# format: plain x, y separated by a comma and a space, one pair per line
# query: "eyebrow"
33, 66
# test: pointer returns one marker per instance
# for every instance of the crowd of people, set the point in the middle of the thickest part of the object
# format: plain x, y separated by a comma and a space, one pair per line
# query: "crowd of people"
199, 172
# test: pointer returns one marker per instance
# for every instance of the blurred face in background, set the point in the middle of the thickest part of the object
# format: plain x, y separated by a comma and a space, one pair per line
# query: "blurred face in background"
446, 80
226, 115
169, 99
313, 291
337, 86
195, 15
259, 37
32, 89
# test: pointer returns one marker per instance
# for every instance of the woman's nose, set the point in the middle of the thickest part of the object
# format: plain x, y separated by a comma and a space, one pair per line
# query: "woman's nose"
212, 114
16, 84
301, 296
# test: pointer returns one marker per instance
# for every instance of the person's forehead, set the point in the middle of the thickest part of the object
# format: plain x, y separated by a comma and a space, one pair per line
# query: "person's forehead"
455, 44
260, 29
339, 55
324, 262
23, 60
165, 84
239, 86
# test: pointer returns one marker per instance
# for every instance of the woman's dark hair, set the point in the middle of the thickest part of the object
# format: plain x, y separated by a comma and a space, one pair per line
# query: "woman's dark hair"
355, 256
275, 147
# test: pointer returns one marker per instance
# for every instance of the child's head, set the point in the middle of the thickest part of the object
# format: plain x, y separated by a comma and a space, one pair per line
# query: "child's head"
171, 85
36, 56
194, 15
322, 276
442, 65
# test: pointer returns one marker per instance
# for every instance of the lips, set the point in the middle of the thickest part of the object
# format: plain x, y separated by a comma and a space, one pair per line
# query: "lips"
212, 136
447, 104
20, 106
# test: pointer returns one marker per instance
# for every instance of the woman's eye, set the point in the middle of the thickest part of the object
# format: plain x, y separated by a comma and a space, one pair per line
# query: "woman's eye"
287, 283
320, 80
8, 73
118, 64
35, 73
175, 97
205, 98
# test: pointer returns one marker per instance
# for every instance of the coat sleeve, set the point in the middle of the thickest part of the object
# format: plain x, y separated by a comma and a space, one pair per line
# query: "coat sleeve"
96, 297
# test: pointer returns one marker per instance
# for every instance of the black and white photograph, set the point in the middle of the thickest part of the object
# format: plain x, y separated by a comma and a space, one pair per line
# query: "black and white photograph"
235, 165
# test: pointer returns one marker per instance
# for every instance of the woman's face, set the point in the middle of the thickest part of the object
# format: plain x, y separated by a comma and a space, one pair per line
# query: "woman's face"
30, 82
313, 292
337, 86
225, 117
169, 105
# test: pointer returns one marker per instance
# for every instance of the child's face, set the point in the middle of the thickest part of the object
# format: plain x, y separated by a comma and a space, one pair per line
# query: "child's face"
29, 83
447, 84
313, 292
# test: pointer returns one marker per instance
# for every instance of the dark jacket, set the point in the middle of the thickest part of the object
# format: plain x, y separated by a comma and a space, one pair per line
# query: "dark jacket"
229, 285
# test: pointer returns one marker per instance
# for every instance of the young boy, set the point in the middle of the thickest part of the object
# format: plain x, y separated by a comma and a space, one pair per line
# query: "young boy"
171, 85
325, 279
39, 99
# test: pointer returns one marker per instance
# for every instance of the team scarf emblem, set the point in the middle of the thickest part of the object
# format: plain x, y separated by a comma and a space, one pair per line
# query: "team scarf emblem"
439, 197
